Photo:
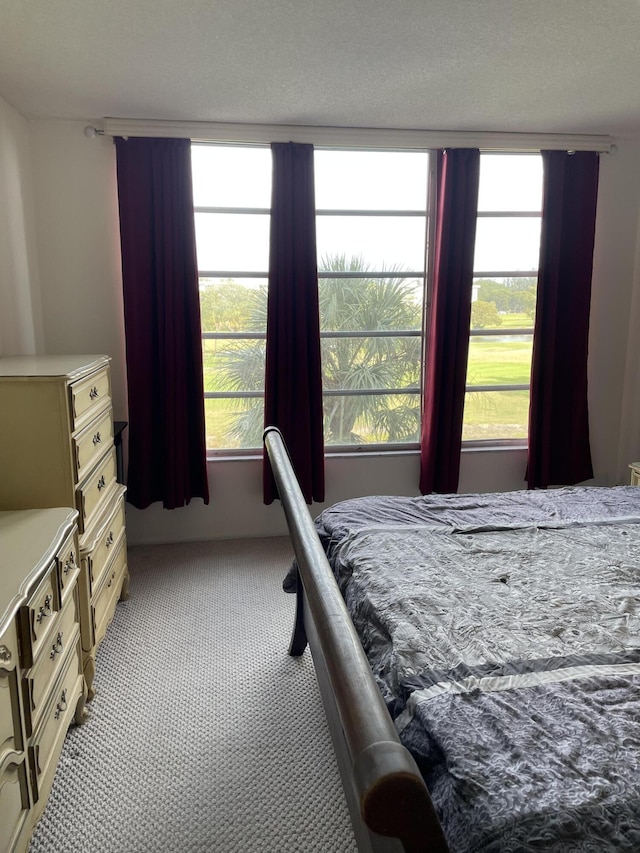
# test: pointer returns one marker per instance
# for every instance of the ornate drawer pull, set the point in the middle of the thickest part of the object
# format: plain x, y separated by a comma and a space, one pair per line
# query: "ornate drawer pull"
45, 610
109, 540
70, 564
5, 654
57, 648
112, 578
101, 483
96, 438
94, 393
62, 704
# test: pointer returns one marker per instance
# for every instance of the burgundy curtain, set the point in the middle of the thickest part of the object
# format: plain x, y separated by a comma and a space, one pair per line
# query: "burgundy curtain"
450, 319
167, 448
293, 383
559, 452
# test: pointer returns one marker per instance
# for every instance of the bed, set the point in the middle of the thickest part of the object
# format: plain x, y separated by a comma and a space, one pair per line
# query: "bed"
478, 658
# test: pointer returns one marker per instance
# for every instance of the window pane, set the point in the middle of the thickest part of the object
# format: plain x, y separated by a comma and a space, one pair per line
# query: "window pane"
510, 182
231, 241
514, 300
365, 364
233, 304
371, 419
371, 180
495, 415
370, 304
507, 244
233, 424
231, 176
377, 243
501, 360
233, 365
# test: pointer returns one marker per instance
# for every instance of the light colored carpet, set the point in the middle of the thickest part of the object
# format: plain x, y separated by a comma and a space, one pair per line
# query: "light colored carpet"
204, 736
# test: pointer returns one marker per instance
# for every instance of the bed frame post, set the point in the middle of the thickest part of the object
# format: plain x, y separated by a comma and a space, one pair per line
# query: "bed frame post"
299, 636
388, 800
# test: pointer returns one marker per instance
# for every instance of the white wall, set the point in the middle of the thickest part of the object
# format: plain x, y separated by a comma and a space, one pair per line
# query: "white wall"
76, 201
20, 313
613, 382
79, 246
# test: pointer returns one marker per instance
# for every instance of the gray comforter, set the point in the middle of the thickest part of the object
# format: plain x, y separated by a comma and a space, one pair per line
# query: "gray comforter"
504, 633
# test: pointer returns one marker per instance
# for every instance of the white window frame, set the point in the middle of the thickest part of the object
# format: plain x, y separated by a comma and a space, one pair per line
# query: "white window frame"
477, 333
425, 275
227, 452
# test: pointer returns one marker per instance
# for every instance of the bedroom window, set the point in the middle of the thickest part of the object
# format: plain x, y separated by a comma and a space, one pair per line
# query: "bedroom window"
371, 226
504, 298
232, 200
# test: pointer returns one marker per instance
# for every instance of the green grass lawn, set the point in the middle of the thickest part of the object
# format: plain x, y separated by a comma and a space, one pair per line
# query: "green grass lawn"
498, 362
495, 414
515, 321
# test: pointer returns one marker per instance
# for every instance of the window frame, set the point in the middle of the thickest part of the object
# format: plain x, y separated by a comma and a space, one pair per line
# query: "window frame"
427, 279
423, 275
487, 443
230, 452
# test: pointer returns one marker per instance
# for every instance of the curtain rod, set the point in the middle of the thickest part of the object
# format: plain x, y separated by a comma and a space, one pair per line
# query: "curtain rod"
203, 131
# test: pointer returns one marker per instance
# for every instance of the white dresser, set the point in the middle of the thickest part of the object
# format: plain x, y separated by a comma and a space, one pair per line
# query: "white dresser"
56, 449
42, 687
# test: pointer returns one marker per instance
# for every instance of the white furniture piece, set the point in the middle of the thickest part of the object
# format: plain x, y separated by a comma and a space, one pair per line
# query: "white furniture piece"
56, 449
635, 473
42, 687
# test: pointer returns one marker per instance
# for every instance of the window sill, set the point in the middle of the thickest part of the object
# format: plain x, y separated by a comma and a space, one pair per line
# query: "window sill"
254, 455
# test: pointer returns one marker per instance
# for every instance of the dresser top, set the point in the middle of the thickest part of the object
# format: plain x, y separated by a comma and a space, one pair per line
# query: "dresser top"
42, 366
29, 540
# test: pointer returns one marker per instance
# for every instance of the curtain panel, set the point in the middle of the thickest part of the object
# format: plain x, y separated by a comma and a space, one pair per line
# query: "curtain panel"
167, 445
449, 320
293, 382
559, 450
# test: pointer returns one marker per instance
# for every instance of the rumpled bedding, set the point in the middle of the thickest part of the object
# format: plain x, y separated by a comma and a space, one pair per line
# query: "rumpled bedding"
504, 633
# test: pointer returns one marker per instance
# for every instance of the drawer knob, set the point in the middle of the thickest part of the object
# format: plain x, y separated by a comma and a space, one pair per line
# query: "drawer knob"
57, 648
70, 564
45, 610
94, 393
5, 654
62, 704
96, 438
101, 483
112, 578
109, 540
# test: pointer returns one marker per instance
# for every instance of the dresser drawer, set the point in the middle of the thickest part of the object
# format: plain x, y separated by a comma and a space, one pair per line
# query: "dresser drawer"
106, 541
89, 396
14, 799
10, 729
37, 616
91, 492
47, 743
109, 591
38, 680
90, 443
68, 567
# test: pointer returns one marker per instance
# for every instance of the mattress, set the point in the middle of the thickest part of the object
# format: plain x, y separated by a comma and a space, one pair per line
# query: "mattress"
504, 633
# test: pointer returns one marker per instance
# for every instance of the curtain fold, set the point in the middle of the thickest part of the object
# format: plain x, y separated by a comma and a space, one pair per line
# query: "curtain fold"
167, 445
449, 320
293, 381
559, 450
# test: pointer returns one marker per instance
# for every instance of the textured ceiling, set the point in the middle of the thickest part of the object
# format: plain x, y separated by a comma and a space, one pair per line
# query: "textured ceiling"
509, 65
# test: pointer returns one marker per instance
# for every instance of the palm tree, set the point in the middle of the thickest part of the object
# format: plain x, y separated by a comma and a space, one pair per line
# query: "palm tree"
354, 303
240, 367
364, 363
